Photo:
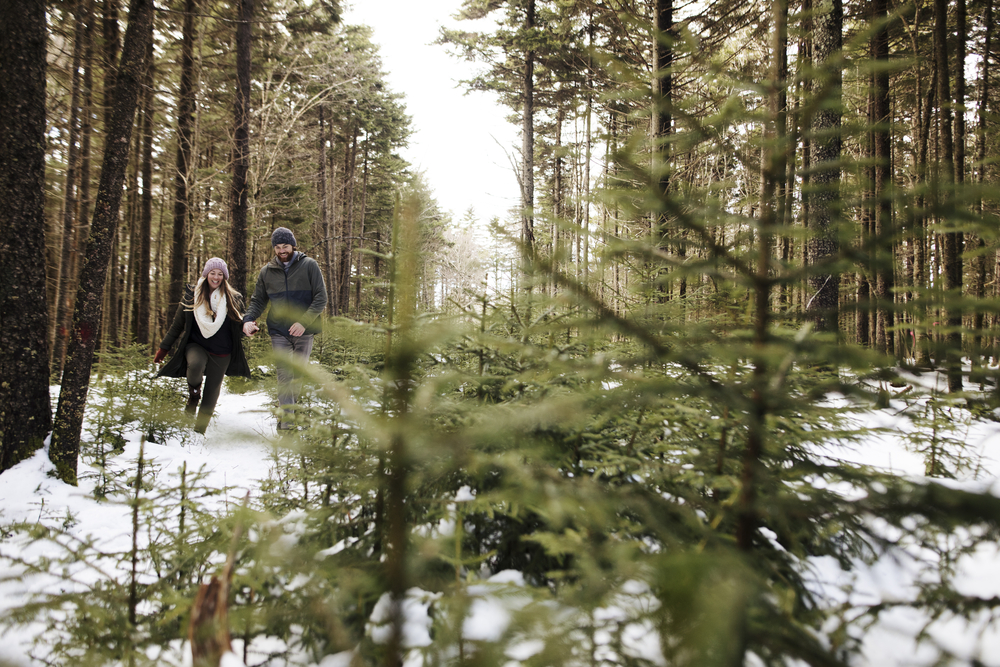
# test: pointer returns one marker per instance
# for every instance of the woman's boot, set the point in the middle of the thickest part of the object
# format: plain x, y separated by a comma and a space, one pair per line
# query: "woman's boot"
194, 395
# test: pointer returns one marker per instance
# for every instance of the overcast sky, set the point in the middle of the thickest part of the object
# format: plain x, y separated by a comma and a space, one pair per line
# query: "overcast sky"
460, 141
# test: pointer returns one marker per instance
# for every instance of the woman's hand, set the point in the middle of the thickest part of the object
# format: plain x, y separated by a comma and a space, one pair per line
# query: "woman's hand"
250, 328
161, 354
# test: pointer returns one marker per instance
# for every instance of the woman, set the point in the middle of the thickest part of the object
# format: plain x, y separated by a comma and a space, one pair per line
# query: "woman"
209, 325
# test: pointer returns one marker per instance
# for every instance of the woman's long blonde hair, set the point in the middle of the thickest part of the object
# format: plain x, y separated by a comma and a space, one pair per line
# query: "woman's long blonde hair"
234, 300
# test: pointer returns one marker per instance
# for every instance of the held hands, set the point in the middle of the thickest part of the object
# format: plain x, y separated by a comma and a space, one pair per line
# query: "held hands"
250, 328
161, 354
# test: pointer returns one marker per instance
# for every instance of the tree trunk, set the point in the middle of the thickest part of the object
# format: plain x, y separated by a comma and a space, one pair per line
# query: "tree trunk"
528, 139
361, 236
110, 55
952, 241
130, 236
979, 288
340, 204
25, 410
145, 227
241, 150
663, 120
64, 301
185, 125
961, 37
86, 133
324, 210
805, 59
863, 307
65, 447
588, 154
558, 196
86, 121
772, 175
882, 149
823, 303
109, 58
333, 224
347, 221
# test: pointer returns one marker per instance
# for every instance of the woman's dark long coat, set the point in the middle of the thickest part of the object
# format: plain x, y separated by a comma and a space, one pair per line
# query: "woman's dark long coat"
176, 367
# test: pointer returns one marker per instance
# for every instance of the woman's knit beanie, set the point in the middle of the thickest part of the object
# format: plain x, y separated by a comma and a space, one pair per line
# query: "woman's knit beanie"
282, 235
215, 263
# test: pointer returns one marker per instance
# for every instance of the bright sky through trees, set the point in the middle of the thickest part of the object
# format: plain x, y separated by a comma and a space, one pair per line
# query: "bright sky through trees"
461, 141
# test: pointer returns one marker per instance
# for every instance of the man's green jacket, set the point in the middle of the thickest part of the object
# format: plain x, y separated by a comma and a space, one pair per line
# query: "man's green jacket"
296, 293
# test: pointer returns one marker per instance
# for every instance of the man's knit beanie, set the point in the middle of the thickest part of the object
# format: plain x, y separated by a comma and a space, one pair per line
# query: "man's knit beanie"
215, 263
282, 235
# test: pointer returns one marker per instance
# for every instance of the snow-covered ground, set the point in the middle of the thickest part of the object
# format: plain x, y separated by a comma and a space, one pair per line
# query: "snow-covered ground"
236, 452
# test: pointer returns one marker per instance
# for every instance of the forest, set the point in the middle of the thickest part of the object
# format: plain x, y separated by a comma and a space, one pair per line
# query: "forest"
755, 243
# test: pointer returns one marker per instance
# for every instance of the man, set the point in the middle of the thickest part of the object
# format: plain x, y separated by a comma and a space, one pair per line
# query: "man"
293, 284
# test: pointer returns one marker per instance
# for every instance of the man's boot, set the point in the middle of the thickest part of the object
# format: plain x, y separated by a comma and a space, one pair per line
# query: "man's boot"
194, 395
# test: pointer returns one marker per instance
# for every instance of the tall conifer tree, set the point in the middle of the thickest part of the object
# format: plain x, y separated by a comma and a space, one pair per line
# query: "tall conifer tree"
25, 411
65, 448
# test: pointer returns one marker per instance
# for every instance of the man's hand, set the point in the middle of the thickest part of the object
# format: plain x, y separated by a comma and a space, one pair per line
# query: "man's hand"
160, 356
250, 328
296, 329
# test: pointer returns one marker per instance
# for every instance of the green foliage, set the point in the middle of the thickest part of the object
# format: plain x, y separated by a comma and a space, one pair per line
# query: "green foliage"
663, 459
131, 397
602, 458
120, 601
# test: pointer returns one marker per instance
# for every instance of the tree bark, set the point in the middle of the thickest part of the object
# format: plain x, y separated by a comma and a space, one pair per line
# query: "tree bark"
961, 37
241, 149
25, 409
952, 241
347, 226
772, 175
528, 138
823, 304
361, 235
65, 447
86, 136
64, 300
144, 229
881, 140
130, 237
182, 175
110, 55
979, 287
324, 210
86, 123
863, 307
663, 54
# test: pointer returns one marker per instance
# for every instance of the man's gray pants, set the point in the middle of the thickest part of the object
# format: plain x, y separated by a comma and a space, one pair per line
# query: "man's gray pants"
296, 346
